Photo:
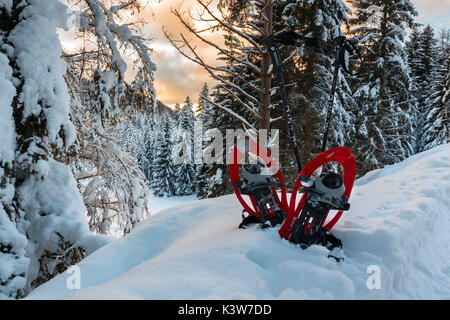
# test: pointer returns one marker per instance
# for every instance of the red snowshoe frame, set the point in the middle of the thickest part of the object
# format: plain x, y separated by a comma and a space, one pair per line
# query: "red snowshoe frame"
236, 158
340, 155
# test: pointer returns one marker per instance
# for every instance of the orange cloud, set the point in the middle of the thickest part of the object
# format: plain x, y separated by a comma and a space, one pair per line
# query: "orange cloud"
176, 77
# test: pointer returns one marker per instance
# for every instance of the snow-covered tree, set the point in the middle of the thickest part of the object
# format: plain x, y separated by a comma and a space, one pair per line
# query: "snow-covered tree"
163, 182
203, 116
413, 51
422, 58
42, 217
211, 176
13, 262
436, 125
384, 115
113, 186
313, 72
183, 137
137, 139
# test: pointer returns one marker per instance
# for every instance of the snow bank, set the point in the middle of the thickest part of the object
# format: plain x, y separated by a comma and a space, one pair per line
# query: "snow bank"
398, 223
54, 209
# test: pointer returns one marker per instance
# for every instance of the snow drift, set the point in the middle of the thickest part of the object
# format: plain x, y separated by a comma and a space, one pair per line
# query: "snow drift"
399, 222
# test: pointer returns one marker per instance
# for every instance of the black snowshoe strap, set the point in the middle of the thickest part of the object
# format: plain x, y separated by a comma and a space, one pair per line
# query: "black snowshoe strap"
328, 240
337, 204
325, 238
290, 38
343, 46
246, 220
286, 38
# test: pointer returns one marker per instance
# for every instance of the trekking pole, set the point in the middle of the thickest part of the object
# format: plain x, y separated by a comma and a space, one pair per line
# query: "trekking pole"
288, 38
337, 65
342, 46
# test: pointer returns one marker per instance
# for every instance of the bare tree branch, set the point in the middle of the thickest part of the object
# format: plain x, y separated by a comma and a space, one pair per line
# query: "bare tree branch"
195, 32
231, 28
232, 114
246, 106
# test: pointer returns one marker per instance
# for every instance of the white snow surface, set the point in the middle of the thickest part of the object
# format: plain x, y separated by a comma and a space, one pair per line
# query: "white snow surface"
399, 221
156, 204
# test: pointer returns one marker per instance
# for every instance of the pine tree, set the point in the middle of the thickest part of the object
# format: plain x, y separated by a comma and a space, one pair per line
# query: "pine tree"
437, 123
113, 186
313, 79
423, 65
13, 262
204, 117
163, 174
183, 139
384, 114
413, 50
137, 138
44, 210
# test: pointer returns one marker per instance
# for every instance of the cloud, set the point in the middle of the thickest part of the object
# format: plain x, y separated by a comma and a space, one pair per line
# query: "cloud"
176, 77
433, 12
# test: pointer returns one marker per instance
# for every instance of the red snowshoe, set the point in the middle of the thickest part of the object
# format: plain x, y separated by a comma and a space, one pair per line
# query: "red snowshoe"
305, 222
259, 181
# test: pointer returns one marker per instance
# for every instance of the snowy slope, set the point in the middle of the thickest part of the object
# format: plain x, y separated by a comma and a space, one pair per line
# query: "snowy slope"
399, 221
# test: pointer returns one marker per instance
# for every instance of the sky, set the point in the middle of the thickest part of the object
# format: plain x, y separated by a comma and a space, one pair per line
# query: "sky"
176, 77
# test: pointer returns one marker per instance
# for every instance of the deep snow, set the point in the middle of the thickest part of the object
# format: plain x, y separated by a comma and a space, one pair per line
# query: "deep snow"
156, 204
399, 221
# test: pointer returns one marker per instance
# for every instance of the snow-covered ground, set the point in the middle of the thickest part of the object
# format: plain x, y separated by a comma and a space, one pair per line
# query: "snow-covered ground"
399, 223
156, 204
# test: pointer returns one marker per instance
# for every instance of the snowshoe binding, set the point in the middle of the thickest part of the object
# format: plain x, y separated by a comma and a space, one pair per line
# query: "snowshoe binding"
305, 223
259, 181
325, 192
261, 187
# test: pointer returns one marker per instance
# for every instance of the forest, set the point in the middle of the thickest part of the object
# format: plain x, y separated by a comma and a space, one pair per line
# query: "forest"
84, 144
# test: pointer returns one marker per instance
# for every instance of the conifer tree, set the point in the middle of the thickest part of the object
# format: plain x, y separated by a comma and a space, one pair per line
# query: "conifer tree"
163, 172
40, 207
422, 61
437, 119
384, 114
13, 261
205, 117
312, 73
183, 139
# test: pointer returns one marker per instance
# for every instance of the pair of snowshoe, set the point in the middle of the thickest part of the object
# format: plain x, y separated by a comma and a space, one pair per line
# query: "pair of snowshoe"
304, 223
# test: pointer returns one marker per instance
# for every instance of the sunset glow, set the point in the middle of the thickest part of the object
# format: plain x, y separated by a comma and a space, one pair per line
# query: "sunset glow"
177, 77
